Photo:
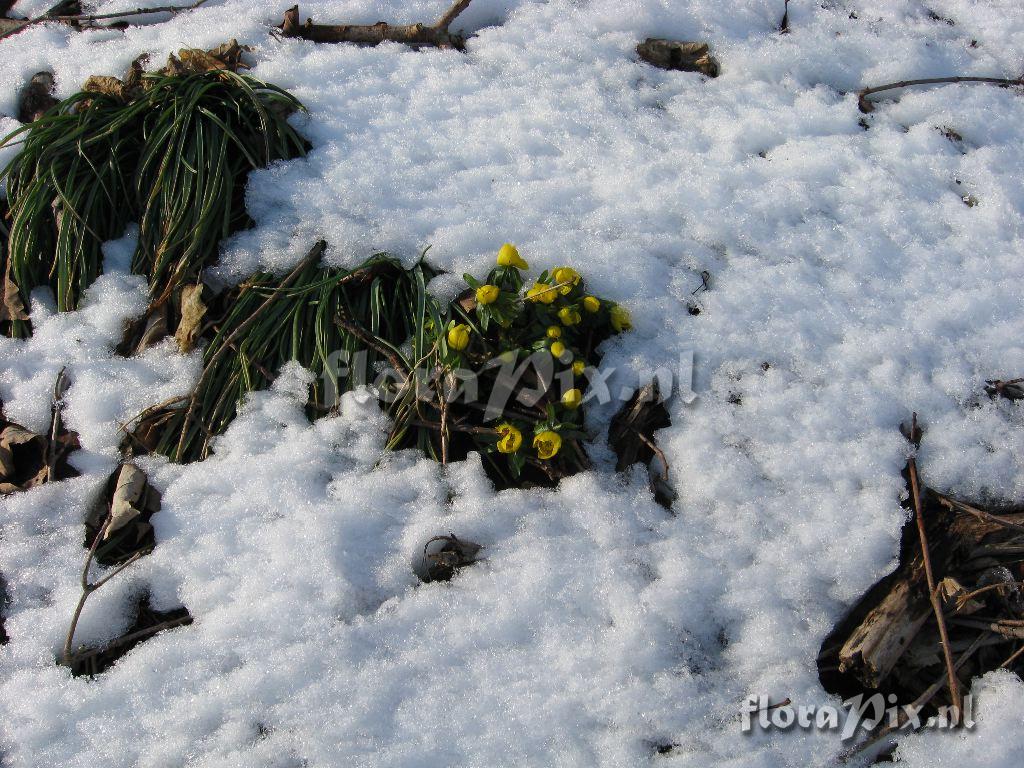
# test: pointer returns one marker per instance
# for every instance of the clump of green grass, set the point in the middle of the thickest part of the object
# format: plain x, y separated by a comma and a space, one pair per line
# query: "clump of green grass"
201, 135
173, 152
308, 316
68, 191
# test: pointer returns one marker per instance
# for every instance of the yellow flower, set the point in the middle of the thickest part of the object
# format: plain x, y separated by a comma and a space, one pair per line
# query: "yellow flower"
508, 256
542, 293
487, 294
458, 337
547, 444
621, 321
591, 304
572, 399
554, 332
566, 275
578, 367
559, 351
569, 315
509, 438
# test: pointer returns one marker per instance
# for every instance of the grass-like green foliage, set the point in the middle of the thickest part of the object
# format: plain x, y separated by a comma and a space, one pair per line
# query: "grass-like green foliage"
172, 154
68, 191
201, 135
269, 321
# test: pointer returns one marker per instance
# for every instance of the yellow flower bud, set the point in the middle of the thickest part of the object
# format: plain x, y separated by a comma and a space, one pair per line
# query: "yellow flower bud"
509, 256
559, 351
572, 399
547, 444
591, 304
487, 294
542, 293
578, 367
509, 438
621, 321
569, 315
554, 332
566, 275
458, 337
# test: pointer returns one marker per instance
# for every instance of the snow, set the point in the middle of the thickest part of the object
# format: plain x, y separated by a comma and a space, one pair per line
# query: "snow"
599, 626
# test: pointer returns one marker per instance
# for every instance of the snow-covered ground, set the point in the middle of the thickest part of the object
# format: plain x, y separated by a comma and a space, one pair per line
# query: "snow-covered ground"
599, 626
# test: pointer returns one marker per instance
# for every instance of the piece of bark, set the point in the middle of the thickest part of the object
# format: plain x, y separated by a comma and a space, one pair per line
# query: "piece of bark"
36, 98
415, 35
678, 55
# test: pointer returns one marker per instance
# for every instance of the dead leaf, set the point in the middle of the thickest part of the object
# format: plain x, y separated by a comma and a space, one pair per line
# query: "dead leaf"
192, 312
681, 55
131, 483
13, 308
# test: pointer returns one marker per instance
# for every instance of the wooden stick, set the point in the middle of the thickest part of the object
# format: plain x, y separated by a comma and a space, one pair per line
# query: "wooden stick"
954, 687
10, 27
866, 106
415, 35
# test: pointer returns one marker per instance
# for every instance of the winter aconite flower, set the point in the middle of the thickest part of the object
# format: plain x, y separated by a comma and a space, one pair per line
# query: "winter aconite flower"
487, 294
554, 332
591, 303
559, 351
509, 438
458, 337
508, 256
542, 293
621, 321
578, 367
547, 444
566, 275
569, 315
572, 399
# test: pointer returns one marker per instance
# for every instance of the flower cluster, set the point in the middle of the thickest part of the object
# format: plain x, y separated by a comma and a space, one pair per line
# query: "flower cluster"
509, 318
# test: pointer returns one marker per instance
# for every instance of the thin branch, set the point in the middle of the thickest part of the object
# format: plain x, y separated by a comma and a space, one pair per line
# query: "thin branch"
866, 106
12, 26
452, 14
955, 506
1013, 657
415, 35
915, 489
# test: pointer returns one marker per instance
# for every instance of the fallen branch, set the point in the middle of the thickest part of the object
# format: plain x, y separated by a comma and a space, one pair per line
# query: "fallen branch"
437, 35
10, 27
866, 106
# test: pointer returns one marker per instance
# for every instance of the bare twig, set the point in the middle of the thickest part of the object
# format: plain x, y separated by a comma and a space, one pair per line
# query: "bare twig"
959, 506
915, 489
866, 106
1013, 657
10, 27
452, 14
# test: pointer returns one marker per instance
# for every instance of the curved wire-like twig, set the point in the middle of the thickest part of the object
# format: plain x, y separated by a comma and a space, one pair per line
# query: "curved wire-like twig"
866, 106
